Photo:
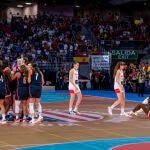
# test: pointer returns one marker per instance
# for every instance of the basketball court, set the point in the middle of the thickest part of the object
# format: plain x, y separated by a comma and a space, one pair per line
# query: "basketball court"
93, 129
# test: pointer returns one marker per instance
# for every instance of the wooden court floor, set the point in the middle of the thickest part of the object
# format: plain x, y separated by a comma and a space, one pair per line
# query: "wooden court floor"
13, 136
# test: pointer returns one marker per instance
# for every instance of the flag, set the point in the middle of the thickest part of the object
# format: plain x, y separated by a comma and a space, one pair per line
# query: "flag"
81, 59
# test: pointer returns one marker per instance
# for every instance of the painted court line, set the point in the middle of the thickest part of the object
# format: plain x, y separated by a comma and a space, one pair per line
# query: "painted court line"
110, 98
93, 115
87, 117
59, 118
70, 118
64, 116
104, 144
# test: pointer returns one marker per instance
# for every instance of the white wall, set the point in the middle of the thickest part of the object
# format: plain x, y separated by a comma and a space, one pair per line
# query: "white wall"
13, 12
29, 10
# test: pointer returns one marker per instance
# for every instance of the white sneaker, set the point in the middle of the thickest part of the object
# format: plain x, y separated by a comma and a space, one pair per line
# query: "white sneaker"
3, 121
40, 119
110, 111
130, 113
32, 121
76, 112
124, 114
71, 112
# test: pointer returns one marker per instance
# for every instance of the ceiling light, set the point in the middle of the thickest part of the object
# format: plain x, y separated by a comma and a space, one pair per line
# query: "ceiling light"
19, 6
28, 3
77, 6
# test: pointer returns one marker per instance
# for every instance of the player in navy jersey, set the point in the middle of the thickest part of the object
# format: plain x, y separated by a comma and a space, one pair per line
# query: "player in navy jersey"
8, 99
22, 92
2, 95
36, 80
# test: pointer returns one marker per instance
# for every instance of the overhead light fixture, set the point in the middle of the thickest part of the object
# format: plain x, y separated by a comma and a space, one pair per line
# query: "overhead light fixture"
28, 3
19, 6
77, 6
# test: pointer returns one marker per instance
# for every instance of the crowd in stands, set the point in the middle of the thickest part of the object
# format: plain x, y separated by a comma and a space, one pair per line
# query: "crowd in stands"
100, 80
47, 39
120, 32
51, 40
138, 78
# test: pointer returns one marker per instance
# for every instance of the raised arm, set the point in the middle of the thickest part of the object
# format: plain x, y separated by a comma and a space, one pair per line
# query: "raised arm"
29, 76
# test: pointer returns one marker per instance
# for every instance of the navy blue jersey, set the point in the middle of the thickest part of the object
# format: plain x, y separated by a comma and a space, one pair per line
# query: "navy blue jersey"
2, 87
36, 85
7, 86
2, 82
22, 81
22, 88
13, 85
36, 79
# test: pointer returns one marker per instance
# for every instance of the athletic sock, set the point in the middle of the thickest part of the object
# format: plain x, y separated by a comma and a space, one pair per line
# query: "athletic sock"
3, 116
17, 106
122, 110
112, 106
31, 108
32, 117
75, 109
17, 117
39, 108
70, 109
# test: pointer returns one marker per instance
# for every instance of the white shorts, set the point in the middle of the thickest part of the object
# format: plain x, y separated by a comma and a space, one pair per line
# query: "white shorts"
73, 90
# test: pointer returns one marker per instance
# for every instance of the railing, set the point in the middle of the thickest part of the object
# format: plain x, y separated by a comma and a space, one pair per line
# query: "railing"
54, 66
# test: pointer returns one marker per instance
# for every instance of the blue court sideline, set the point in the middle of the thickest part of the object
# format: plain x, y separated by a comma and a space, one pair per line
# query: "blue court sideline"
106, 144
63, 95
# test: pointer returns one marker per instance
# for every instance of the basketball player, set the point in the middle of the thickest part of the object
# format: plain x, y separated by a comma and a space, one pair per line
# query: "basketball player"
142, 107
8, 102
119, 89
74, 89
2, 95
13, 87
22, 93
36, 81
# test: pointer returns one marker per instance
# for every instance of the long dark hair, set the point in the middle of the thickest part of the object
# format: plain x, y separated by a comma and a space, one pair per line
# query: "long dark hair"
1, 71
35, 68
6, 63
120, 63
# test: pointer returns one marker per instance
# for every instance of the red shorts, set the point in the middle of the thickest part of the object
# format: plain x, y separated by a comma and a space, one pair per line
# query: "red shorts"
149, 114
71, 91
117, 91
74, 91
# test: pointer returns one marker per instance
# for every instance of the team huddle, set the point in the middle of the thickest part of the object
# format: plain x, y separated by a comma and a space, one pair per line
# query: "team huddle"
20, 89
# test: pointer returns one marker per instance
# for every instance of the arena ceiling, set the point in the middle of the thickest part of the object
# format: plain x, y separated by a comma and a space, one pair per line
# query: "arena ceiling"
69, 2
